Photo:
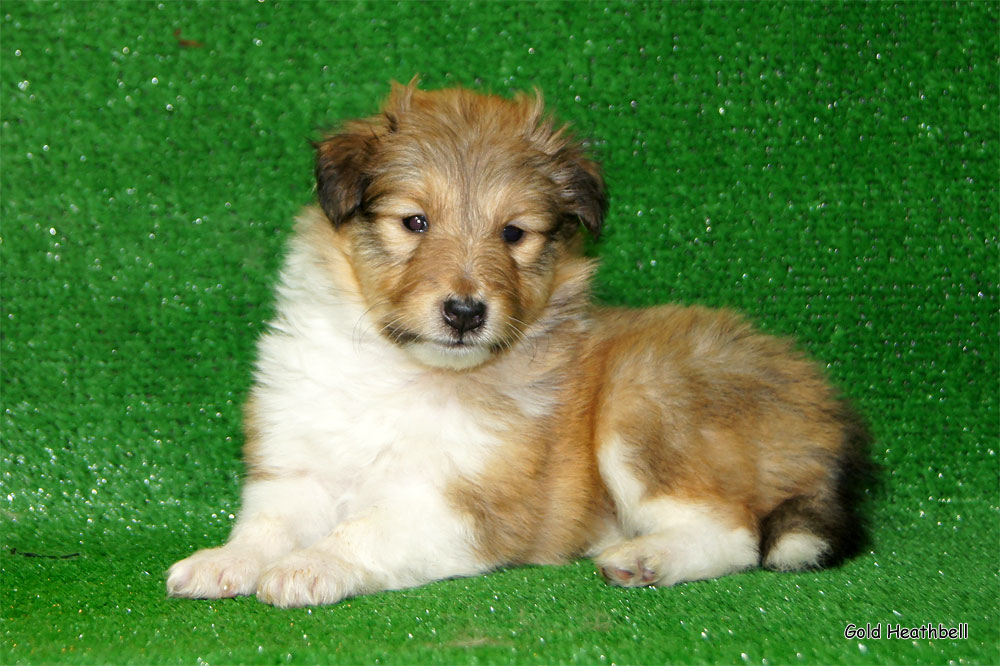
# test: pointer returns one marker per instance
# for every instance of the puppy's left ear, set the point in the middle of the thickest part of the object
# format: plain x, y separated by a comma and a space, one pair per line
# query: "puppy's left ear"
582, 188
581, 185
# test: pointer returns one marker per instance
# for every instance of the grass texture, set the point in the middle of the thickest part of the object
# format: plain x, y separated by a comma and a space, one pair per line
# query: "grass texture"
830, 169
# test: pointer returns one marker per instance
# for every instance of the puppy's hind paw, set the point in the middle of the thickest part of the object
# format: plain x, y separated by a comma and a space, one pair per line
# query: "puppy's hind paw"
639, 575
629, 565
214, 573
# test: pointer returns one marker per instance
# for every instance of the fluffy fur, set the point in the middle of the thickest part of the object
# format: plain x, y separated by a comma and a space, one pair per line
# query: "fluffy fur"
437, 397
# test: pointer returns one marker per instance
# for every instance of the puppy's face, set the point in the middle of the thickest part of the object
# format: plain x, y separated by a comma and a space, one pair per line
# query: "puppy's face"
459, 210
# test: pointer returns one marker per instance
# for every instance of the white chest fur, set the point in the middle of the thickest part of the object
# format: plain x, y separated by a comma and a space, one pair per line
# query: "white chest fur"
338, 404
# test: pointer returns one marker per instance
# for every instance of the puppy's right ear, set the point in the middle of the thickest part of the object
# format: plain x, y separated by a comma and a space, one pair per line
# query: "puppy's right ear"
343, 161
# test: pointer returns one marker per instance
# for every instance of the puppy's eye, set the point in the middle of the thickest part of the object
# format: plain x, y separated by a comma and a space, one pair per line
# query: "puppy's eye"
512, 234
415, 223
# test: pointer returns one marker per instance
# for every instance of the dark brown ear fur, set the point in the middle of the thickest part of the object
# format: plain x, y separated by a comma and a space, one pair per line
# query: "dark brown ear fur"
342, 161
583, 189
578, 177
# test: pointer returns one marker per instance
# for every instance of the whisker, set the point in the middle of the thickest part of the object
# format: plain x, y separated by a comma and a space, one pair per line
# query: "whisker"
361, 326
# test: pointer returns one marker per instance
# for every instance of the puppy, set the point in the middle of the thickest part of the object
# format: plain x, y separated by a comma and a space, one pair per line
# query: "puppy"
437, 397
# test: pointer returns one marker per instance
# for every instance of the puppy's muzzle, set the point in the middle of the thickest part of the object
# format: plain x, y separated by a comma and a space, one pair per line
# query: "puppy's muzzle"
463, 315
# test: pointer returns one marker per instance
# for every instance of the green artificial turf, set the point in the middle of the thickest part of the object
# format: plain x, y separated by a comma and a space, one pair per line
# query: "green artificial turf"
831, 169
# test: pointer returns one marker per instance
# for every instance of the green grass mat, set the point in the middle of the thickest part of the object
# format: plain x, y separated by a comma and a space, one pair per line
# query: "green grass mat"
830, 169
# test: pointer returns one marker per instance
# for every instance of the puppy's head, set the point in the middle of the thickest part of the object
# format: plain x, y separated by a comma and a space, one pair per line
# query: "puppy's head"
461, 212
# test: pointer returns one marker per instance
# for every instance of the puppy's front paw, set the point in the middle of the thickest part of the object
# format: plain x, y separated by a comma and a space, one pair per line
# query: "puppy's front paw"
214, 573
632, 564
307, 578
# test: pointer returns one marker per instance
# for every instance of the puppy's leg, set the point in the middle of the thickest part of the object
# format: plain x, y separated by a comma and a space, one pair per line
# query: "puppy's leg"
686, 542
673, 539
409, 540
277, 516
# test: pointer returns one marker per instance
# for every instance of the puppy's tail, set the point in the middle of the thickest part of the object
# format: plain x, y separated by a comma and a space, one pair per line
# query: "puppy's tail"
828, 526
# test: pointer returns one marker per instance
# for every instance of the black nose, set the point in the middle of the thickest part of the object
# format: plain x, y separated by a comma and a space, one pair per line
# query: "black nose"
465, 314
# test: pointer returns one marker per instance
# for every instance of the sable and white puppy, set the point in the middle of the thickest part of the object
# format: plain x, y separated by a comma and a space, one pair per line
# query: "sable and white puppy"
437, 397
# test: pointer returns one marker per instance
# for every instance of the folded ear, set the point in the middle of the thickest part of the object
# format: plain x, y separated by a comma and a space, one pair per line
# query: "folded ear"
343, 161
582, 188
577, 176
